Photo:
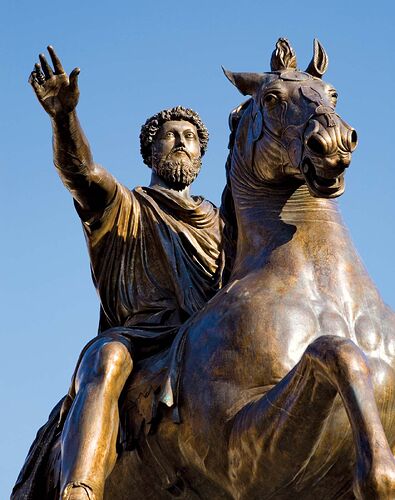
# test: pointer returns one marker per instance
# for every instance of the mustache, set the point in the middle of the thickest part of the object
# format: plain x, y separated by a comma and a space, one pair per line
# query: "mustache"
178, 173
179, 149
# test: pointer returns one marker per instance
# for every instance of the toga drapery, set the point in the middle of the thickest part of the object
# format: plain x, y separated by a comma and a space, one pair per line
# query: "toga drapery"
155, 257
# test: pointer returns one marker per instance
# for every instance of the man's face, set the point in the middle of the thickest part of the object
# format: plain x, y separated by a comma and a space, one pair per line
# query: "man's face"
176, 153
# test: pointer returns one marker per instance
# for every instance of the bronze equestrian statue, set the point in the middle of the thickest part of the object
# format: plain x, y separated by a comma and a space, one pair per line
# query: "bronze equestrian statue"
285, 385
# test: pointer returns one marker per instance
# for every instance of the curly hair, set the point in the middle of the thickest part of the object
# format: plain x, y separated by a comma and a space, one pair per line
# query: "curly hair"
153, 124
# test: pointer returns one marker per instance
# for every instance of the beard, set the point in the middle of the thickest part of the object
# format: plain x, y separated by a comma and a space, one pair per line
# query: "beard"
178, 174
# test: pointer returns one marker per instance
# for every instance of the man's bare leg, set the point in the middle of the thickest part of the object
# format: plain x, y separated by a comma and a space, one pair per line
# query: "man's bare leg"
91, 428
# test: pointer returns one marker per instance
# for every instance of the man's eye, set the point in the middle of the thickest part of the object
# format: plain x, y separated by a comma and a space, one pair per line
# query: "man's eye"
190, 135
334, 96
169, 135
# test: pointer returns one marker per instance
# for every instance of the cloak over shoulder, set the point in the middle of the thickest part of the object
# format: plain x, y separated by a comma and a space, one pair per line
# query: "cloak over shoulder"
155, 257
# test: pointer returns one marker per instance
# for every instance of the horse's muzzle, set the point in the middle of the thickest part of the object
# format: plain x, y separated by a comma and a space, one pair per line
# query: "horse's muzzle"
328, 145
327, 135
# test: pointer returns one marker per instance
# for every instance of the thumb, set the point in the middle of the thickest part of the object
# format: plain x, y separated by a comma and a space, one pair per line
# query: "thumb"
73, 79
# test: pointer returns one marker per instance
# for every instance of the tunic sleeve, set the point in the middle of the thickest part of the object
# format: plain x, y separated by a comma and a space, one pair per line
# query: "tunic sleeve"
118, 220
111, 240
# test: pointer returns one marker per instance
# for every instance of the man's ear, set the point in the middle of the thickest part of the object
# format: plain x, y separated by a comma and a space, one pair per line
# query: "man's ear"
152, 156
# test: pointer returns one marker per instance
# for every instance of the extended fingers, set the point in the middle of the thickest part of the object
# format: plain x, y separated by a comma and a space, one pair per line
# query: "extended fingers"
74, 79
43, 71
39, 75
34, 82
45, 67
55, 61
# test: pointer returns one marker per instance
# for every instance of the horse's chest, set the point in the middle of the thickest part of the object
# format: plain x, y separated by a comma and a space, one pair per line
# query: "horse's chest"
287, 327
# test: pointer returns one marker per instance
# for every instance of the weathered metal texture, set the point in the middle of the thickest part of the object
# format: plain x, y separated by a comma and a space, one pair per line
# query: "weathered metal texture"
287, 386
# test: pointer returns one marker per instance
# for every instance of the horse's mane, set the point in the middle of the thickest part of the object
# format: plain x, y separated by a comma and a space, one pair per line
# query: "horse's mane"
227, 209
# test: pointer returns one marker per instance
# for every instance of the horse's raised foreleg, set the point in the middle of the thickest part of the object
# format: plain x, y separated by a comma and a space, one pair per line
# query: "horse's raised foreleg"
274, 437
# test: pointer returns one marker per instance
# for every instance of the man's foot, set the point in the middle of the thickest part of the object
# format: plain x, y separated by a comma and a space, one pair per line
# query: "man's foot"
78, 491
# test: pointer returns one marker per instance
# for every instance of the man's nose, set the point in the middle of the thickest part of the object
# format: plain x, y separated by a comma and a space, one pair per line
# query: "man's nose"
180, 141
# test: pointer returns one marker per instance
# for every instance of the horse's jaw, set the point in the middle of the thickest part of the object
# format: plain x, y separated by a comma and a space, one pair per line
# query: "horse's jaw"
319, 184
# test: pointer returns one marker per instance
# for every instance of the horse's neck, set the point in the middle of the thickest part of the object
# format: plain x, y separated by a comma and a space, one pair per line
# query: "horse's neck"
287, 226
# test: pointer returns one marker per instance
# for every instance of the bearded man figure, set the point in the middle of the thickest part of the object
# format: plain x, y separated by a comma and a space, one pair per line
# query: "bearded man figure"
155, 257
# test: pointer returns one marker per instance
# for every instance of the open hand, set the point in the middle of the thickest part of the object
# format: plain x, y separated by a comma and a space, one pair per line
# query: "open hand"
58, 93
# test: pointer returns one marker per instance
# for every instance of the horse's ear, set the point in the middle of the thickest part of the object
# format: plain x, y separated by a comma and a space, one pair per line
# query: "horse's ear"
283, 56
319, 64
246, 83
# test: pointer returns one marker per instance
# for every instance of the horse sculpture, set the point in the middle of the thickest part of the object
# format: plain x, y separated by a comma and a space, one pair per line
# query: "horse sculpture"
287, 386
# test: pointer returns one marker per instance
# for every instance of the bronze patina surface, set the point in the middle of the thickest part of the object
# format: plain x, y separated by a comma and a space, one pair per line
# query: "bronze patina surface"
155, 257
288, 373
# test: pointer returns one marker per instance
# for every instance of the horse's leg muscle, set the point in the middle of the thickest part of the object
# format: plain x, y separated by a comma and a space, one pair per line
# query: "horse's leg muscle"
273, 437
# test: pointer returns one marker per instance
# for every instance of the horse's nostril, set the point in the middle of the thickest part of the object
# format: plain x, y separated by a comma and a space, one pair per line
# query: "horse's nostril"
353, 140
315, 145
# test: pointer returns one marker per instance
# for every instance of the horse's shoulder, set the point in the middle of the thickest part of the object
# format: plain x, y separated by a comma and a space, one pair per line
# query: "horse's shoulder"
388, 332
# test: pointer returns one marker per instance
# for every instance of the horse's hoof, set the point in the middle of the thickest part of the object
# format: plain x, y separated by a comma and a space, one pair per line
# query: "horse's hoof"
378, 483
78, 491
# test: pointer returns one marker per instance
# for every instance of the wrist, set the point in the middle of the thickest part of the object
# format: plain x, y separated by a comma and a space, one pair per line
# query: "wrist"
64, 120
63, 116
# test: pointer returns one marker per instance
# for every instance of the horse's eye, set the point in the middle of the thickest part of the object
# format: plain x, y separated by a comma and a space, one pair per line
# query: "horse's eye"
270, 99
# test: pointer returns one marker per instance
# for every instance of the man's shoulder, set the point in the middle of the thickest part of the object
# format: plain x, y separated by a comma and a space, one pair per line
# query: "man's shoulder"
160, 193
166, 201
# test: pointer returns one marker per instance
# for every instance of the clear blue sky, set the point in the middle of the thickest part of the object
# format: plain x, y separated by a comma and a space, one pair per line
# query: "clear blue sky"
137, 58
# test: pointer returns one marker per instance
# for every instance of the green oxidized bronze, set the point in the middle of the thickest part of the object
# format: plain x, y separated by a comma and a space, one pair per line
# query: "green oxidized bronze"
281, 386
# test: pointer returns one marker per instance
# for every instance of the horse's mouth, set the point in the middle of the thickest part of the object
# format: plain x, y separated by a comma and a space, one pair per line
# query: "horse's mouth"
322, 186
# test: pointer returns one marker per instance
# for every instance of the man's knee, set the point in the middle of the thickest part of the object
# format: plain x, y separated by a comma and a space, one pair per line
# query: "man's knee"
104, 361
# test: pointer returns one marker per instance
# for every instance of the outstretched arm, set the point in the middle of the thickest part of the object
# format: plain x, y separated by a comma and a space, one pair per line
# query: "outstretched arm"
91, 185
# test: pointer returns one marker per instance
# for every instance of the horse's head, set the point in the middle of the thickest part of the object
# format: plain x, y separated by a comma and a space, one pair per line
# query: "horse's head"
291, 128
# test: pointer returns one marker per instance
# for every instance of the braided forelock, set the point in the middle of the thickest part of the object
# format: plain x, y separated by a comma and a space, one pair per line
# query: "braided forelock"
153, 124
